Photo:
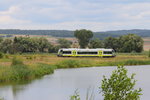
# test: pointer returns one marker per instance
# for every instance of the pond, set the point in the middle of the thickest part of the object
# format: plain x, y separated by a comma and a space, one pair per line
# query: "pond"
62, 84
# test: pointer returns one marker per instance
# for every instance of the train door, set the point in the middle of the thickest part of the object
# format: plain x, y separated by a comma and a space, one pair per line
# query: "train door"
100, 53
74, 53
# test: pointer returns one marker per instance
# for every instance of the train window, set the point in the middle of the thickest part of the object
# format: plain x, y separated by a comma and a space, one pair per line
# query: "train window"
87, 52
107, 52
66, 52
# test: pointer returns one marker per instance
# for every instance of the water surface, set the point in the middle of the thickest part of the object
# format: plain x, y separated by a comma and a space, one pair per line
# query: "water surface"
62, 84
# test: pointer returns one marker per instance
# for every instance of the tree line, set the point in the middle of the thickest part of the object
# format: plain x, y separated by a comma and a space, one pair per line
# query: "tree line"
67, 33
31, 45
125, 43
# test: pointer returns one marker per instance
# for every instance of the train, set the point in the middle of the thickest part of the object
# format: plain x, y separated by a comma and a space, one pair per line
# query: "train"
76, 52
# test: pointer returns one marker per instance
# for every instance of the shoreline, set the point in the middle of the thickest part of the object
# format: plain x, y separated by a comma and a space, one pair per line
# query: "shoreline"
36, 66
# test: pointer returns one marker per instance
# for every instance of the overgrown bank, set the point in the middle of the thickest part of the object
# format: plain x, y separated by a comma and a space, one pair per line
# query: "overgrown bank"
77, 64
28, 66
20, 72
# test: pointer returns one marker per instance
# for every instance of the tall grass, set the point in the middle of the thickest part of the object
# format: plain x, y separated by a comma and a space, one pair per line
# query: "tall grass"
42, 69
89, 95
20, 67
149, 54
74, 63
1, 55
127, 62
21, 72
16, 61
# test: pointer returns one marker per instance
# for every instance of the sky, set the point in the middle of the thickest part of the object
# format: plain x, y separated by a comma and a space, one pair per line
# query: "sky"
95, 15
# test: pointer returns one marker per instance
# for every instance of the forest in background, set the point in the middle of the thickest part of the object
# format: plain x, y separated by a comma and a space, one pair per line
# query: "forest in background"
67, 33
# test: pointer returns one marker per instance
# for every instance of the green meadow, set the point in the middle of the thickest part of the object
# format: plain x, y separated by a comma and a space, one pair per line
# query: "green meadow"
30, 66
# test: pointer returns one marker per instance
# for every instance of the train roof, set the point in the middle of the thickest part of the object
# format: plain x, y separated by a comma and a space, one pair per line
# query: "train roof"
77, 49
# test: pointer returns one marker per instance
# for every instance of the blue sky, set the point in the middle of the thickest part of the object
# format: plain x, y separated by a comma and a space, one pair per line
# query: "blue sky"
95, 15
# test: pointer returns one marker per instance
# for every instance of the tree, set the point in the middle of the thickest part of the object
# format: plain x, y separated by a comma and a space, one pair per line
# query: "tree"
96, 43
119, 86
43, 44
131, 43
63, 43
83, 37
25, 44
111, 42
6, 46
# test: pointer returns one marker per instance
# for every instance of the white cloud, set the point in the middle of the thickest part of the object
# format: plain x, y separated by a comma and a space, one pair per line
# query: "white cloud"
63, 14
11, 10
9, 20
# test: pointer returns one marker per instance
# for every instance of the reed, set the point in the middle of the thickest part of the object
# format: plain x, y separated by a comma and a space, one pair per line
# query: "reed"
74, 63
1, 55
29, 66
128, 62
149, 54
16, 61
21, 72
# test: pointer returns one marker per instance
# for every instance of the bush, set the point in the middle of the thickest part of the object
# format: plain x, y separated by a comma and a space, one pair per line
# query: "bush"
29, 57
136, 62
20, 72
68, 64
89, 95
76, 96
6, 56
74, 63
1, 55
119, 86
16, 61
149, 54
43, 69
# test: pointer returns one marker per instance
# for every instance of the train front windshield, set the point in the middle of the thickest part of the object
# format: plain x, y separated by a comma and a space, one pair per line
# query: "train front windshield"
60, 52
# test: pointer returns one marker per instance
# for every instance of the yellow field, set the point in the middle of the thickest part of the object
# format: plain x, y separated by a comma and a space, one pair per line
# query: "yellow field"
146, 43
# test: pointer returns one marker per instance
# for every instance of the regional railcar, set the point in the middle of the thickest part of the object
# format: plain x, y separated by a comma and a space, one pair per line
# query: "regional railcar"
75, 52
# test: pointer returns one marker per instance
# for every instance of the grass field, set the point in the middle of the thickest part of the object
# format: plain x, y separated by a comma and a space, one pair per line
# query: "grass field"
29, 66
52, 59
37, 65
146, 43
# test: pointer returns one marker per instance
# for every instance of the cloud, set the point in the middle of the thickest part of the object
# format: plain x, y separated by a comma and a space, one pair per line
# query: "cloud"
9, 20
96, 15
11, 10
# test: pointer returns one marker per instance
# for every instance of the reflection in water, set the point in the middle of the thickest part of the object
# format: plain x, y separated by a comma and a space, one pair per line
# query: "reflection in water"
62, 84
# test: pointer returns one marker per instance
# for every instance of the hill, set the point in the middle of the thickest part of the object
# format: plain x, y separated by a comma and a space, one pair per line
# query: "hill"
66, 33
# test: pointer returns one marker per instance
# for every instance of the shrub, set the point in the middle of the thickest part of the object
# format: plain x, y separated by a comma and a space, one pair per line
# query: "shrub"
1, 55
136, 62
43, 69
73, 63
149, 54
16, 61
119, 86
76, 96
68, 64
20, 72
29, 57
6, 56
